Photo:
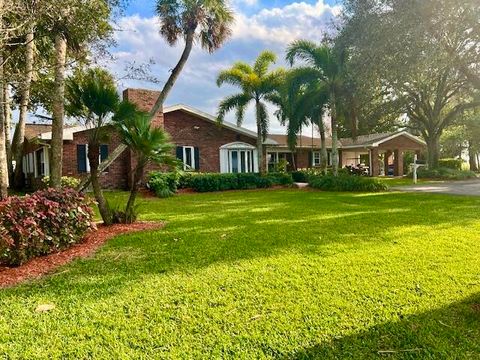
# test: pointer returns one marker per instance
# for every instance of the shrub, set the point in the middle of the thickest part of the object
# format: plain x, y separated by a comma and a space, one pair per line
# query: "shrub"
346, 183
163, 184
444, 174
67, 182
44, 222
455, 164
221, 182
280, 178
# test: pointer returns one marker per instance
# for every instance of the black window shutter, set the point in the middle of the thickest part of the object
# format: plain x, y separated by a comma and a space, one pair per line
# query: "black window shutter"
180, 153
329, 158
197, 158
82, 158
310, 159
103, 152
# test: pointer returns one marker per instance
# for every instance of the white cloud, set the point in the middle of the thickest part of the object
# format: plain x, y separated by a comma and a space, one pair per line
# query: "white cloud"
139, 41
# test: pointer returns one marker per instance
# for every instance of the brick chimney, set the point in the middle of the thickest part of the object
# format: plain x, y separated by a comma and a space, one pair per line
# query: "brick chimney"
144, 99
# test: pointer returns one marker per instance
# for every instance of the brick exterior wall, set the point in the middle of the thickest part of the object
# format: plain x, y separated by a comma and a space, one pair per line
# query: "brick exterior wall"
188, 130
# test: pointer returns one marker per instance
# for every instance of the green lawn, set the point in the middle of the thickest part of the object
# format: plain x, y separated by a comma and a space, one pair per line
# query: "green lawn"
397, 181
285, 274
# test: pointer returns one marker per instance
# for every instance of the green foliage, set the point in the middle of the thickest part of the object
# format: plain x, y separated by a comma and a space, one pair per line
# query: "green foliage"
164, 184
455, 164
282, 274
443, 173
46, 221
67, 181
346, 183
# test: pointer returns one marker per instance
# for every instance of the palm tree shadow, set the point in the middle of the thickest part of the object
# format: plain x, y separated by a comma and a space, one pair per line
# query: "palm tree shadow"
438, 334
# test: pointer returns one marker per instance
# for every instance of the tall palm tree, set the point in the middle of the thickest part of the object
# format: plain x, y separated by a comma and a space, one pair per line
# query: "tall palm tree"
259, 86
93, 99
302, 105
327, 67
205, 21
148, 144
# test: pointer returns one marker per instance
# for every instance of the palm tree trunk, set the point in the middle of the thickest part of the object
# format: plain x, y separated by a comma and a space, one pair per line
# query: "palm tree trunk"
333, 110
3, 148
323, 146
261, 165
93, 159
24, 101
137, 178
58, 113
157, 107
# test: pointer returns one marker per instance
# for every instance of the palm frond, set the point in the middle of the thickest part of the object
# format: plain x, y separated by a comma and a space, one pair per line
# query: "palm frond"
263, 61
233, 102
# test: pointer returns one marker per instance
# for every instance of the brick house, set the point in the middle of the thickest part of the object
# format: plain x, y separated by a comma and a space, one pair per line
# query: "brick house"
205, 146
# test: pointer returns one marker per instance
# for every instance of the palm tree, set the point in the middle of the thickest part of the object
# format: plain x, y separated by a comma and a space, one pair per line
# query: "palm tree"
149, 145
93, 99
302, 105
258, 85
327, 67
205, 21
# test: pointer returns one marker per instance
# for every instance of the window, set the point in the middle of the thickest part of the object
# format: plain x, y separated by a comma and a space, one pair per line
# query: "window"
316, 159
238, 157
190, 156
41, 163
83, 165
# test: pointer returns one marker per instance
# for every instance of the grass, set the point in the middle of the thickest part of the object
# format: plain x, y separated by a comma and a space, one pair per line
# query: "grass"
284, 274
402, 181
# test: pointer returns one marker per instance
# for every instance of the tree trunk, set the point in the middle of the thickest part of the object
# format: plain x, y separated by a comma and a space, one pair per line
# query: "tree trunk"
93, 159
8, 126
323, 147
24, 101
137, 178
333, 115
433, 151
261, 165
472, 157
3, 148
58, 113
157, 107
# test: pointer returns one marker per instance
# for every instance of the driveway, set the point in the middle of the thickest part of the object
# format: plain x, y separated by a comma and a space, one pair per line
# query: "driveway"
469, 187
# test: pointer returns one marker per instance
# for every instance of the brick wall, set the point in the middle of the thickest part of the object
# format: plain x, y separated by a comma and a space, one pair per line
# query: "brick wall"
188, 130
115, 178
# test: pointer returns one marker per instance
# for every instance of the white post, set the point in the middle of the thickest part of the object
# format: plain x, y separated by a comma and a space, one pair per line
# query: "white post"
415, 169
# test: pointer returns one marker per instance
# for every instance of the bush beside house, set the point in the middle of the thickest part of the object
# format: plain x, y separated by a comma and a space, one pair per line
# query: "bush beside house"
444, 173
346, 183
45, 222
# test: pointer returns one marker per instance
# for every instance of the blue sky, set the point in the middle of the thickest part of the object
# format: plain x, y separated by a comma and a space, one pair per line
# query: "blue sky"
259, 25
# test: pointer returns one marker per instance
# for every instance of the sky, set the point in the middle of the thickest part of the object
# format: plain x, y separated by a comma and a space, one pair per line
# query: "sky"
259, 25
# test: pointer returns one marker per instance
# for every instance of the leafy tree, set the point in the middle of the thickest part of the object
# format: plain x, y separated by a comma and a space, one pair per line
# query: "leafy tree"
402, 64
206, 21
148, 144
258, 86
324, 70
92, 98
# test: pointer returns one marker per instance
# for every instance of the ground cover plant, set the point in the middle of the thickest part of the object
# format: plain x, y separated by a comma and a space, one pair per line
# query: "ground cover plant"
346, 183
286, 274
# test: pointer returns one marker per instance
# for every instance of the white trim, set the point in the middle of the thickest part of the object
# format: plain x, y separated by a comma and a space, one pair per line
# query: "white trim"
249, 157
192, 158
67, 132
237, 145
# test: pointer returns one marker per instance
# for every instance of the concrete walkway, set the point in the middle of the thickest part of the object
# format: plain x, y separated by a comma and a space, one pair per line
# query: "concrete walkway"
468, 187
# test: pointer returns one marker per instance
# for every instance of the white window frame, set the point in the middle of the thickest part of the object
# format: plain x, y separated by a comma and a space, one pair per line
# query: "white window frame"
192, 158
249, 156
44, 159
314, 155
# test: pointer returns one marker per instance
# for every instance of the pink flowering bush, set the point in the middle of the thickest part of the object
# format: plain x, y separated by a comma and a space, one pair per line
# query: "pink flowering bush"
45, 222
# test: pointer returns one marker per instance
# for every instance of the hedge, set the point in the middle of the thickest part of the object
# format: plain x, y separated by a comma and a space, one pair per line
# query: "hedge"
45, 222
166, 184
346, 183
443, 173
455, 164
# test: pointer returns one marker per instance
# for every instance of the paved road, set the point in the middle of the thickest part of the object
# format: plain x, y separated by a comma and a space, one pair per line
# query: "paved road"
470, 187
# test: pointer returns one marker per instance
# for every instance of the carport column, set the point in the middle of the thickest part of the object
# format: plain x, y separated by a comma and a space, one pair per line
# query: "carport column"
386, 160
398, 163
374, 165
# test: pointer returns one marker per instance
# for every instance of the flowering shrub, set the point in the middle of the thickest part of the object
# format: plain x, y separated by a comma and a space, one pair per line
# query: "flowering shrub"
67, 181
44, 222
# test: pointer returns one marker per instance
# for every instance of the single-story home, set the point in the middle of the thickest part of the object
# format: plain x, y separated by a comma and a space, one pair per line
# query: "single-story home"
205, 146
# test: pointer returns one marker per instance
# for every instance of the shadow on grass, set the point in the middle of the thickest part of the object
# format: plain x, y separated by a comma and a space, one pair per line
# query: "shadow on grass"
437, 334
229, 227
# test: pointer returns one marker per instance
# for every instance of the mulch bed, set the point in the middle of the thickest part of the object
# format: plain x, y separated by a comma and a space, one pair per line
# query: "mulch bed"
46, 264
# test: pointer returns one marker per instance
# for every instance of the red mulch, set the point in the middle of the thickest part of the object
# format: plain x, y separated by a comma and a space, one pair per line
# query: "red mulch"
46, 264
